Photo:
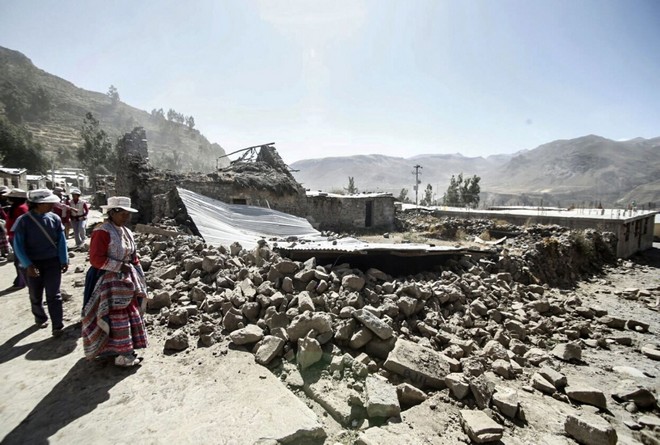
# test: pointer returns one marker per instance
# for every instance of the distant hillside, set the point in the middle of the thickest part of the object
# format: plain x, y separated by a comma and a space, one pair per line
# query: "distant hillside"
53, 109
386, 173
584, 170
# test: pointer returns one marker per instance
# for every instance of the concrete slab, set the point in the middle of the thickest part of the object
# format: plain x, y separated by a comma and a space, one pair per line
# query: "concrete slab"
424, 367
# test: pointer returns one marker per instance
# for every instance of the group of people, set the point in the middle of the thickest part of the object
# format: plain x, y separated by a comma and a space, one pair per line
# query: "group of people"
115, 288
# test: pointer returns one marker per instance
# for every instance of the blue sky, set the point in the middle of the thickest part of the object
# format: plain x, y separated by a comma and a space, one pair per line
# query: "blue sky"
338, 78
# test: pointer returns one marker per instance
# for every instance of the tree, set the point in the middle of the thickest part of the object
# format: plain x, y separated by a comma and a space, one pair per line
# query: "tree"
351, 189
452, 197
427, 200
95, 149
190, 122
403, 195
17, 148
461, 192
113, 94
470, 191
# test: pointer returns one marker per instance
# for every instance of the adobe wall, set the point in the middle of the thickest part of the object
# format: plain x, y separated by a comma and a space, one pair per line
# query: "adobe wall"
349, 213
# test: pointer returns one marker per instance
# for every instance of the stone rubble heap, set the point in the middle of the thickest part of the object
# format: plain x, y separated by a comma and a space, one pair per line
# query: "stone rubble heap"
367, 345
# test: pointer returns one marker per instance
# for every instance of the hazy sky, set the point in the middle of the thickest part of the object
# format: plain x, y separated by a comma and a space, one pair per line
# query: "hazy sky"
336, 78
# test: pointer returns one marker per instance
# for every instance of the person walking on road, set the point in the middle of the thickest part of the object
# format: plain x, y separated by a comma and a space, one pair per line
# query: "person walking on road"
78, 215
17, 197
115, 290
40, 247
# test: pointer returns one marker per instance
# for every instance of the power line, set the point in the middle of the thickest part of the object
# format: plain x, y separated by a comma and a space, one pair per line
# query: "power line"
417, 181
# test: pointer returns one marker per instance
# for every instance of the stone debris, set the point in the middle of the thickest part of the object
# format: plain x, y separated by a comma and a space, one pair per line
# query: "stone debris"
587, 395
382, 399
383, 342
480, 428
590, 429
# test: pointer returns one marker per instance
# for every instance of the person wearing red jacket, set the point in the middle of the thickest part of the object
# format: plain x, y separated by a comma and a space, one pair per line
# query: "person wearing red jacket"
18, 207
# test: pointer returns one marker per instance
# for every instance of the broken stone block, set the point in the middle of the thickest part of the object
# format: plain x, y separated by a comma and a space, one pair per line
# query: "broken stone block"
287, 285
612, 322
303, 323
587, 395
178, 317
568, 352
286, 267
542, 384
169, 274
352, 282
309, 352
335, 398
422, 366
482, 390
177, 341
407, 305
360, 338
536, 356
270, 348
457, 384
651, 351
557, 379
305, 302
642, 397
381, 398
159, 300
479, 427
248, 335
506, 400
409, 395
638, 326
233, 320
590, 429
649, 421
495, 351
375, 324
380, 348
516, 329
503, 368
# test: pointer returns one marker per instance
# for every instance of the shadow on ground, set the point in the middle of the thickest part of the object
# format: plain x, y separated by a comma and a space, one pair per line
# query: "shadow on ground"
46, 349
82, 389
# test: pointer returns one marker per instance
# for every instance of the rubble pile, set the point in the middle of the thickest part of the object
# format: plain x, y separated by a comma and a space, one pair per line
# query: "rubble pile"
366, 345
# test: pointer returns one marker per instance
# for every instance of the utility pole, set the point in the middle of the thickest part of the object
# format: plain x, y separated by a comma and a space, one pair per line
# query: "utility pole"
417, 181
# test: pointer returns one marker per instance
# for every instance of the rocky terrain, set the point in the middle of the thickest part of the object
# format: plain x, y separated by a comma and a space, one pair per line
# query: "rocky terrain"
547, 339
246, 345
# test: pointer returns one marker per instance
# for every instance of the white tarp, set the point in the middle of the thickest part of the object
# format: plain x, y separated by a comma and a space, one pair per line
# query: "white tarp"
222, 224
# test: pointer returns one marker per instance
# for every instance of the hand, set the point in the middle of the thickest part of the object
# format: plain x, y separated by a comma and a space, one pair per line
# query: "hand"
32, 271
64, 268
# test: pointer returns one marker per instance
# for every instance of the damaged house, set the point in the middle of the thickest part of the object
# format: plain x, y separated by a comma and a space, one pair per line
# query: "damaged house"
258, 178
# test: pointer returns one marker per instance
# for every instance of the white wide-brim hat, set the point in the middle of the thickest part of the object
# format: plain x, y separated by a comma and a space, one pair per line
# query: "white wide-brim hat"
4, 190
42, 196
119, 202
16, 193
75, 192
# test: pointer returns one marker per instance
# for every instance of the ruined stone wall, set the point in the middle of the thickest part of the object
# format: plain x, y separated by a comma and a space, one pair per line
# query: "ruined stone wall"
231, 194
345, 214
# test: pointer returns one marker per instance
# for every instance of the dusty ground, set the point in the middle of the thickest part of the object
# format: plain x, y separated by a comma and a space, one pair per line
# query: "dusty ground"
52, 395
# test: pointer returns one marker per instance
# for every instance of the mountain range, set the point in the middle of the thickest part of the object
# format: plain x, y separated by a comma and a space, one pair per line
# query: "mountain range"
582, 171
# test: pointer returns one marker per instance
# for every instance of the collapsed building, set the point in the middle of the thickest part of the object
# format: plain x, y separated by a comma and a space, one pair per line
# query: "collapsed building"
264, 181
368, 345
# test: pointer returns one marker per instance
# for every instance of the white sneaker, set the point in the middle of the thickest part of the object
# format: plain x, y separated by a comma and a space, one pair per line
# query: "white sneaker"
126, 361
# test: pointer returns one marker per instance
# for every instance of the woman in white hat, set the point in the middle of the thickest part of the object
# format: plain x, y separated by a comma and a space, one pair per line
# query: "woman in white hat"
40, 247
115, 290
